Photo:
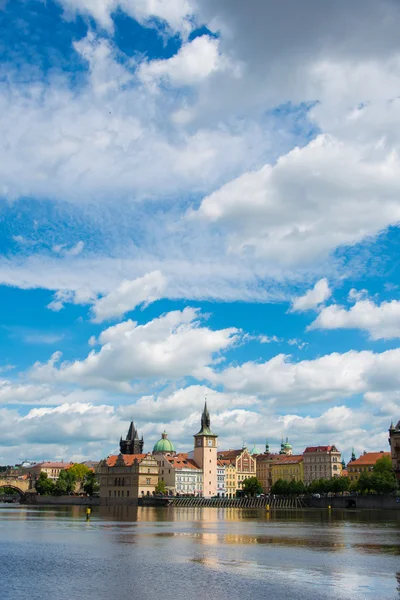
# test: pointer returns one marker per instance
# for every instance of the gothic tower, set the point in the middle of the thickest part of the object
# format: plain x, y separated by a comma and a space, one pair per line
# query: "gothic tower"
205, 454
132, 444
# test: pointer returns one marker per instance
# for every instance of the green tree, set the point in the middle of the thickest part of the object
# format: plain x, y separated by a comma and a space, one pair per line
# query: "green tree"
65, 483
384, 466
280, 488
161, 488
340, 485
80, 471
45, 486
91, 485
251, 486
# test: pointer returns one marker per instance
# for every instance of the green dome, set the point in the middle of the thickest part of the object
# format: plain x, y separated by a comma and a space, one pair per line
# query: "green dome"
164, 445
254, 450
287, 446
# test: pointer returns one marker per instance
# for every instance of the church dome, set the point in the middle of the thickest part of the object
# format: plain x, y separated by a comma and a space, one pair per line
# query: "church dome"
254, 450
164, 445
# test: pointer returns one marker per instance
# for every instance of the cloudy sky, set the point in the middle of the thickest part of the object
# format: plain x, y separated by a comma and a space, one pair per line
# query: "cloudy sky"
198, 199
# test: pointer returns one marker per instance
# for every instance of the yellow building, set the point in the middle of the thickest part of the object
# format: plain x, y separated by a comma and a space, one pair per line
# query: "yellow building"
52, 469
124, 478
244, 466
366, 463
264, 471
288, 468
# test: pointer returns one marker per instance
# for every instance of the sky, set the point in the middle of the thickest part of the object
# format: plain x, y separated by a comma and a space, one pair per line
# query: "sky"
198, 200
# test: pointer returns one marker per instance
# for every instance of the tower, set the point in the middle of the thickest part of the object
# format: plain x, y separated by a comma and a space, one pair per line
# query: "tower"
266, 447
132, 444
205, 454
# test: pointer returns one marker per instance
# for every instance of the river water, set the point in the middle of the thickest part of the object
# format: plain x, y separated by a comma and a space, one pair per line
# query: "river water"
180, 554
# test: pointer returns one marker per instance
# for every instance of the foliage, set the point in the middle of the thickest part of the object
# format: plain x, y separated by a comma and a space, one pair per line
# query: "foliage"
91, 485
8, 491
79, 471
161, 487
288, 488
252, 486
44, 486
381, 480
65, 483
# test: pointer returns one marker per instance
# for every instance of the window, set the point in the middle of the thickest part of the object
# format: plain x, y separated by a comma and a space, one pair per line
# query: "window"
109, 493
127, 494
148, 481
122, 493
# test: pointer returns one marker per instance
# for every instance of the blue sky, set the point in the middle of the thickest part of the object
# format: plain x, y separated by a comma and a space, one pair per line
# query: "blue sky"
198, 201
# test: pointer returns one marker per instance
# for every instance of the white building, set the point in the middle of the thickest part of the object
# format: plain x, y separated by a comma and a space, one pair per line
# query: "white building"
221, 487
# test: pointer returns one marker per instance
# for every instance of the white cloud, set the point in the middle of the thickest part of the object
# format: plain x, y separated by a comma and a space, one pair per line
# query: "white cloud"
175, 12
172, 346
330, 377
195, 61
73, 251
315, 199
380, 321
128, 295
313, 298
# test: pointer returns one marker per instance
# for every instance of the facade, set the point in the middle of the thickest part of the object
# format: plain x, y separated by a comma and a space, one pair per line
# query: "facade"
394, 441
244, 467
321, 462
205, 454
366, 462
221, 486
287, 467
263, 470
181, 475
124, 478
132, 444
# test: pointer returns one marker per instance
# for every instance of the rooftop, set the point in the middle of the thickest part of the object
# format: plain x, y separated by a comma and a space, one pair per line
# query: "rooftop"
368, 459
182, 461
321, 449
129, 459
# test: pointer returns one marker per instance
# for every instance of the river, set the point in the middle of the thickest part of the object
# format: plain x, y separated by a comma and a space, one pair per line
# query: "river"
180, 554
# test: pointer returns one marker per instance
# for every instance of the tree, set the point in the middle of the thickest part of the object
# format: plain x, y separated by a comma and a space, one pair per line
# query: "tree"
251, 486
384, 466
65, 483
280, 488
91, 485
79, 471
161, 487
44, 486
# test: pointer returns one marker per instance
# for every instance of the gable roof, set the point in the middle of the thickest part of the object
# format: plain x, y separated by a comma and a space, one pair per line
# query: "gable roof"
54, 465
292, 459
368, 459
181, 461
128, 459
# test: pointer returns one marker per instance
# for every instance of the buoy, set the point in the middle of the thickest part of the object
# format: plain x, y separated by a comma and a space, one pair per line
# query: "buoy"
88, 511
267, 508
329, 507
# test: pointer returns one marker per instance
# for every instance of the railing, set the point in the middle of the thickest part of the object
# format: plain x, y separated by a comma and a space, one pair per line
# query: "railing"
273, 502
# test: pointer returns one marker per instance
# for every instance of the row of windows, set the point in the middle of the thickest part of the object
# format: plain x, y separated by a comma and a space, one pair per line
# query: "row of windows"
118, 493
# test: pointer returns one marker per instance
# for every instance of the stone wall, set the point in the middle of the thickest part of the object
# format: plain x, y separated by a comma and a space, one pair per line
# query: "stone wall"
370, 501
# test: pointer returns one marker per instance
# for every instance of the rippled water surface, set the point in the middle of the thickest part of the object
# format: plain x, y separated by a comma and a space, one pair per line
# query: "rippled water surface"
147, 554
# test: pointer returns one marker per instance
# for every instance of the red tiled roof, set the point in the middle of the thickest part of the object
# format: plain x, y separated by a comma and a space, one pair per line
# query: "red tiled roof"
368, 459
129, 459
321, 449
229, 454
181, 461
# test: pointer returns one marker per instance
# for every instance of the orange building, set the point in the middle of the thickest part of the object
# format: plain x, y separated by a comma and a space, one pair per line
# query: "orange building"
366, 462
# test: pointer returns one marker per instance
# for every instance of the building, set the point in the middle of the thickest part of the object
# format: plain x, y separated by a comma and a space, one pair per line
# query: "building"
244, 467
132, 444
205, 454
52, 469
363, 464
181, 475
164, 446
263, 470
124, 478
221, 486
394, 441
321, 462
287, 467
286, 448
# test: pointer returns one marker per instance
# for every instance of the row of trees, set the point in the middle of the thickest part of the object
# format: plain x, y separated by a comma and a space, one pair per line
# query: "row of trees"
381, 480
67, 482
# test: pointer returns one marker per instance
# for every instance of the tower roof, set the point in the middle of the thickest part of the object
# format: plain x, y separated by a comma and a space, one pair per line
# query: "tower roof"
206, 423
164, 444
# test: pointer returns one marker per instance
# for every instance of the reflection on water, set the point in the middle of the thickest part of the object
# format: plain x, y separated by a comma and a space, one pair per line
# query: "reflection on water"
123, 552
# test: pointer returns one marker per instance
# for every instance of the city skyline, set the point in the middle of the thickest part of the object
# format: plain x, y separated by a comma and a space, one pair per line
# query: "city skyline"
198, 200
